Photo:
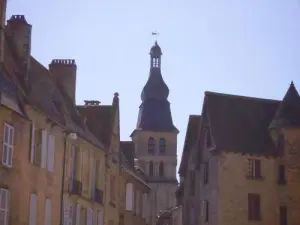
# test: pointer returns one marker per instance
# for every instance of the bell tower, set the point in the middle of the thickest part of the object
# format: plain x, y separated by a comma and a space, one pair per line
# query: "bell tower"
155, 138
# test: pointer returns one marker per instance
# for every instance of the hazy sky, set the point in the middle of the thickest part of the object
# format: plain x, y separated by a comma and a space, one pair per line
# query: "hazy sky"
233, 46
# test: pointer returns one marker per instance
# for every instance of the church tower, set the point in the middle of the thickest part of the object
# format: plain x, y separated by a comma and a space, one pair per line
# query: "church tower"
155, 138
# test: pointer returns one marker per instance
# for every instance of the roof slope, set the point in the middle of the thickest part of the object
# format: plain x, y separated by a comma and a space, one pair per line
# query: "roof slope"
240, 124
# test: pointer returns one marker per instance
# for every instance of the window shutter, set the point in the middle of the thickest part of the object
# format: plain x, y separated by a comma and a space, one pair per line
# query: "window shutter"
51, 155
32, 209
100, 218
129, 196
78, 212
66, 212
72, 167
93, 183
4, 199
90, 216
71, 214
44, 149
47, 212
32, 143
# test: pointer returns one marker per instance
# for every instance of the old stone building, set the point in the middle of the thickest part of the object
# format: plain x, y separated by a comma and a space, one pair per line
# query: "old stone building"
134, 191
244, 168
55, 167
155, 138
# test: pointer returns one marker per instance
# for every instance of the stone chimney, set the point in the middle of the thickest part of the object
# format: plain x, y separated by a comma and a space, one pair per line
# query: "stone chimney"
2, 17
64, 72
20, 31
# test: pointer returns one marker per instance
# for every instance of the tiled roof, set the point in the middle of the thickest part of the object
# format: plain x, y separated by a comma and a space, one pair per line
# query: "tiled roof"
240, 124
190, 140
42, 92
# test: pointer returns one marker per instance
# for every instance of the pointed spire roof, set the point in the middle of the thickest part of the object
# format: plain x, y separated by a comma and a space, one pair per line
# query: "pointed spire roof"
288, 112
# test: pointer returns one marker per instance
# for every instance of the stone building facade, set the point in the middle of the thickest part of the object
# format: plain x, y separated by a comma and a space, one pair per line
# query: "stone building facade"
244, 167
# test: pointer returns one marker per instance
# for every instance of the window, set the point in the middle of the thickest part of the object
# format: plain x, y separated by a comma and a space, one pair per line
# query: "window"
4, 199
100, 218
281, 175
137, 198
192, 216
32, 209
51, 153
78, 212
283, 215
162, 146
280, 145
47, 220
151, 169
161, 169
129, 196
192, 182
68, 213
254, 170
8, 145
93, 179
44, 149
205, 210
253, 206
151, 145
36, 147
205, 172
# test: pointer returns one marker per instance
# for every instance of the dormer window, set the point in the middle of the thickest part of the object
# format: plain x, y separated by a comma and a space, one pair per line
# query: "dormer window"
162, 146
151, 145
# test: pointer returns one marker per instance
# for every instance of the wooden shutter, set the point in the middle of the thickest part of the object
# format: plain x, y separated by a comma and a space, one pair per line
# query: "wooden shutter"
66, 212
100, 218
32, 142
38, 147
129, 196
44, 149
4, 200
47, 212
90, 216
78, 212
50, 153
32, 209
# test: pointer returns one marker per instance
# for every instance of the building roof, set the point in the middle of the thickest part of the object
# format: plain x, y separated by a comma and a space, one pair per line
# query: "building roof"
288, 113
239, 123
37, 87
128, 154
190, 140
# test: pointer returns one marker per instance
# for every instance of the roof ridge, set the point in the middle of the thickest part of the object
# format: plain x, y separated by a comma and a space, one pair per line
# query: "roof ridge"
240, 96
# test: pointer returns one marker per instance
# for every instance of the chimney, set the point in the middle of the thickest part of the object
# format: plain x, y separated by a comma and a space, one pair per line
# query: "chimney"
64, 72
91, 103
2, 17
20, 31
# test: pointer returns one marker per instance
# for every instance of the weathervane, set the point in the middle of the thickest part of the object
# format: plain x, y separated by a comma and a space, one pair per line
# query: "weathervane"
155, 34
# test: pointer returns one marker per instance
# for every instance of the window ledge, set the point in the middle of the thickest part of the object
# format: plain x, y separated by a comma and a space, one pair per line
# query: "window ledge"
6, 166
255, 178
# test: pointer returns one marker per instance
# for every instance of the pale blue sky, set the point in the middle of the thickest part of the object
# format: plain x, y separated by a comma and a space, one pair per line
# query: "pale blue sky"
233, 46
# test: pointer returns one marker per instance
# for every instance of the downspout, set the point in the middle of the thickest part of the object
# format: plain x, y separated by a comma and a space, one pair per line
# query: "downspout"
63, 180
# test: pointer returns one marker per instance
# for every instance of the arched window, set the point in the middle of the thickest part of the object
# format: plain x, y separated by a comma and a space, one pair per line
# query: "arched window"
162, 145
161, 169
151, 169
151, 145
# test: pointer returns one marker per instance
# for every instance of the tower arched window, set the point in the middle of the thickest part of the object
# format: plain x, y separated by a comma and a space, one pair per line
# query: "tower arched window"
161, 169
151, 145
162, 145
151, 169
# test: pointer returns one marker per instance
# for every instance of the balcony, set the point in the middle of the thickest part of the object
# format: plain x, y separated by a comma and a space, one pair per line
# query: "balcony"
75, 187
